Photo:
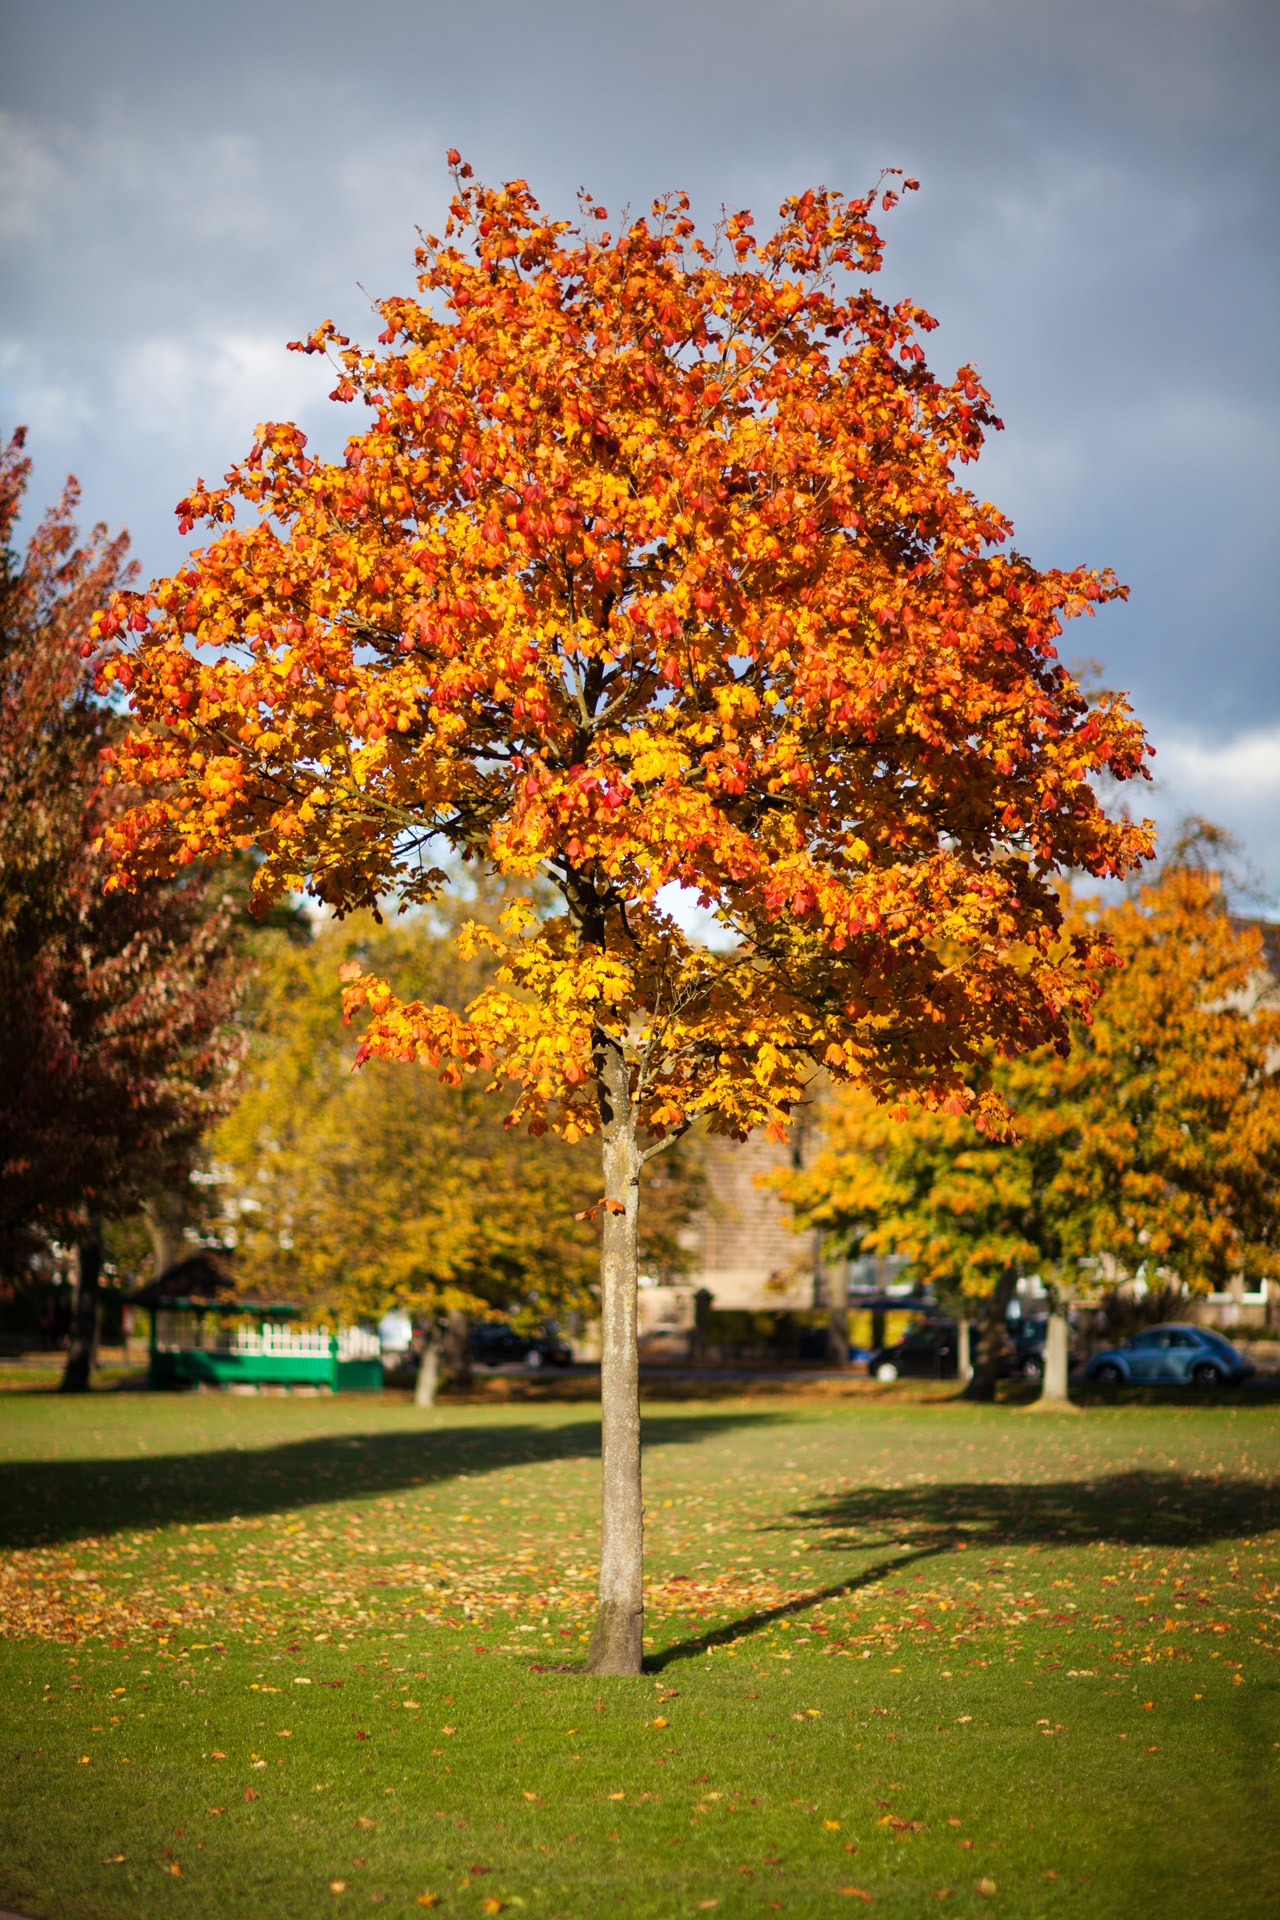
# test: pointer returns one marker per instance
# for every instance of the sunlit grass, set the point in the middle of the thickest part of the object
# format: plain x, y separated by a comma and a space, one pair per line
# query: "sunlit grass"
893, 1649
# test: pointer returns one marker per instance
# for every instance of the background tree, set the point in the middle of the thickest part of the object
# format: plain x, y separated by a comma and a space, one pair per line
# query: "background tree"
115, 1035
1155, 1142
355, 1193
651, 568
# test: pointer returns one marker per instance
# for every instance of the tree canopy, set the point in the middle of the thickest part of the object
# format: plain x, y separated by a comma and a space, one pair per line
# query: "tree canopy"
1155, 1142
116, 1042
357, 1192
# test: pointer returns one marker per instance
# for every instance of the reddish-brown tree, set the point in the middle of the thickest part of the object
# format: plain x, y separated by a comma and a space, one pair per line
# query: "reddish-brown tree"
115, 1036
652, 566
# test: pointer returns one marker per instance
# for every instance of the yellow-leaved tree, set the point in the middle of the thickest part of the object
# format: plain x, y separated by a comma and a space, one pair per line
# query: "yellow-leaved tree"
1153, 1142
353, 1192
650, 568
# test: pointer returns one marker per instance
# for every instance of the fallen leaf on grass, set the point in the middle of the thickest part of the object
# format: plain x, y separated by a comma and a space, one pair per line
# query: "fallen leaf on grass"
967, 1845
113, 1860
659, 1722
175, 1869
953, 1822
249, 1794
705, 1905
365, 1821
216, 1755
284, 1733
985, 1887
337, 1886
832, 1826
943, 1893
448, 1729
425, 1900
216, 1810
859, 1893
491, 1905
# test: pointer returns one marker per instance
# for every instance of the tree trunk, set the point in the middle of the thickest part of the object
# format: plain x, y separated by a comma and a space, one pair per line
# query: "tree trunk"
617, 1645
1057, 1347
84, 1312
457, 1348
166, 1217
702, 1300
424, 1392
964, 1365
992, 1335
835, 1293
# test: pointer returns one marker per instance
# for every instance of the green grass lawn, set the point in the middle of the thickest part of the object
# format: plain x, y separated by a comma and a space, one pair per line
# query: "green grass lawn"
282, 1657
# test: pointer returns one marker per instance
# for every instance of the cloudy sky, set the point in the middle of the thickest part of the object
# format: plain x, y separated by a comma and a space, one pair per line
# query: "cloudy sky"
186, 188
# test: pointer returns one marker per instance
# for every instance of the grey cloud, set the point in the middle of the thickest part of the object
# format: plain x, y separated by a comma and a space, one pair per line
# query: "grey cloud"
182, 190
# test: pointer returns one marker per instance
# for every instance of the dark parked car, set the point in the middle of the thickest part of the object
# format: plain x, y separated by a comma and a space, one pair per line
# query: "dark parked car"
495, 1343
1171, 1356
931, 1352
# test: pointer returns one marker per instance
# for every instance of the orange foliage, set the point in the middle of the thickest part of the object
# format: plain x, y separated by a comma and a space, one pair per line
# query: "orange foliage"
652, 566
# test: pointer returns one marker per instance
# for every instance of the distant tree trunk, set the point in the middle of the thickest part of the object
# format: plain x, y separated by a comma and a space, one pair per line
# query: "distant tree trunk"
964, 1365
835, 1291
456, 1349
166, 1217
1057, 1348
617, 1644
992, 1335
84, 1312
702, 1300
424, 1392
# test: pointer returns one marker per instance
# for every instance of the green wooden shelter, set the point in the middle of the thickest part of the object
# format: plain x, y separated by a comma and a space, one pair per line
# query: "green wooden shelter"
204, 1334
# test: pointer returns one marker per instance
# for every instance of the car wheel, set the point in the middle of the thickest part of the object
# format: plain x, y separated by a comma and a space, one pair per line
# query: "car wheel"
1033, 1367
1108, 1374
886, 1371
1205, 1374
533, 1358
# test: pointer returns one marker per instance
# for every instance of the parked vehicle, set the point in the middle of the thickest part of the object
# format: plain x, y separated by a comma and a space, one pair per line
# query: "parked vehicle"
1170, 1355
495, 1343
931, 1351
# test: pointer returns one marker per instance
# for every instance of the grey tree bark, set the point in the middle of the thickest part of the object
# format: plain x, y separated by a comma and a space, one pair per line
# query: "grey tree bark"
166, 1217
964, 1365
991, 1340
424, 1390
1057, 1345
456, 1350
617, 1644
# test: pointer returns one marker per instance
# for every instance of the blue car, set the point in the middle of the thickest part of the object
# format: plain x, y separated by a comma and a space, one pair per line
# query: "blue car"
1170, 1356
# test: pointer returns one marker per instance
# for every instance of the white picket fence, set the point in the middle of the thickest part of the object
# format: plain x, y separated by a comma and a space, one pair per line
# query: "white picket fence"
352, 1343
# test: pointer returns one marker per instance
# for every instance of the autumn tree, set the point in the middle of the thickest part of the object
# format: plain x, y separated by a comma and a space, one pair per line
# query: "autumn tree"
115, 1039
650, 568
1153, 1143
355, 1193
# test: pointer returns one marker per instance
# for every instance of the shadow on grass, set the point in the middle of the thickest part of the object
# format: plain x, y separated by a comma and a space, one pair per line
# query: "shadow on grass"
1132, 1509
46, 1501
